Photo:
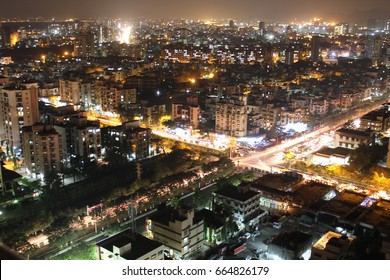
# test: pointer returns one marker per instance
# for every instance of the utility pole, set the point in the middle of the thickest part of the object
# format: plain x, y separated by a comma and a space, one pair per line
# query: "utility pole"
132, 211
1, 177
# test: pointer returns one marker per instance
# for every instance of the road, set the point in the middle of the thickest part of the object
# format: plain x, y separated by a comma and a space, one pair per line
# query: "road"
140, 222
261, 160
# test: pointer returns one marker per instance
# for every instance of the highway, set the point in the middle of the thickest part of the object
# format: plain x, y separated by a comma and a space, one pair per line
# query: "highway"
262, 160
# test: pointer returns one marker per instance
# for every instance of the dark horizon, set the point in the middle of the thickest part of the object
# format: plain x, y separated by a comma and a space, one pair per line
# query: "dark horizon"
277, 10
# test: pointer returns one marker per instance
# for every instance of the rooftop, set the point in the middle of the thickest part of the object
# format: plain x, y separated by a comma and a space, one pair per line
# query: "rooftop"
378, 216
280, 182
311, 193
339, 151
168, 214
140, 245
291, 240
353, 132
237, 193
329, 237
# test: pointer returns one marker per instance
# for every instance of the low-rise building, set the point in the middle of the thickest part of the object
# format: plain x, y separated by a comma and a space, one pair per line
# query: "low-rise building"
276, 190
377, 121
329, 156
243, 202
331, 246
182, 230
292, 245
351, 139
128, 246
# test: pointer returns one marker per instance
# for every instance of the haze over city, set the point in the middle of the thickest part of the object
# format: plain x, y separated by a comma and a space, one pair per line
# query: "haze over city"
278, 10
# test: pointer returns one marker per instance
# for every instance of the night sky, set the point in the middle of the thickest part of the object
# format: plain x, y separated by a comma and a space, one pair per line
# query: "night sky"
283, 10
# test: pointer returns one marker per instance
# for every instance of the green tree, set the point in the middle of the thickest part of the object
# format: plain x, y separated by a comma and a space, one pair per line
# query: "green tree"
170, 124
364, 157
115, 158
53, 182
176, 203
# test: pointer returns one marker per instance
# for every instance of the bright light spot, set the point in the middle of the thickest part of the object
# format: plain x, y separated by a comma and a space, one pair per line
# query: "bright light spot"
253, 141
125, 35
357, 123
270, 37
297, 127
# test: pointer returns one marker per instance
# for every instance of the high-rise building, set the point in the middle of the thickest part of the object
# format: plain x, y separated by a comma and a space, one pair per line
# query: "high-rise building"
128, 138
315, 48
378, 24
42, 149
70, 90
5, 34
262, 28
374, 46
341, 29
81, 137
110, 96
18, 108
231, 116
289, 55
85, 45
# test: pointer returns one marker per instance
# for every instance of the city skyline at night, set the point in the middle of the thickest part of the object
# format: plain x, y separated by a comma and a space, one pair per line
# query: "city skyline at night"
213, 130
279, 10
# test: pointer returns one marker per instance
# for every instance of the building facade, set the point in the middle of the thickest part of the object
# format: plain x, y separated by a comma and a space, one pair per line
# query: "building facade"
244, 203
231, 116
18, 108
186, 114
128, 246
331, 246
182, 231
351, 139
42, 149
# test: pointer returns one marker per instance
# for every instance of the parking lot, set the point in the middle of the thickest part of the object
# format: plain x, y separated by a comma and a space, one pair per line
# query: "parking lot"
256, 245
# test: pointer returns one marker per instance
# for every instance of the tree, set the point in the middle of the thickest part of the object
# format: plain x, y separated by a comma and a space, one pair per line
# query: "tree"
289, 158
53, 182
29, 185
170, 124
176, 203
115, 158
364, 157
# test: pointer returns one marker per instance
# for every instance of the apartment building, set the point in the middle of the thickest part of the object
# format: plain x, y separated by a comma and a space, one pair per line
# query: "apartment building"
181, 230
18, 108
129, 138
186, 114
245, 203
351, 139
42, 149
231, 116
